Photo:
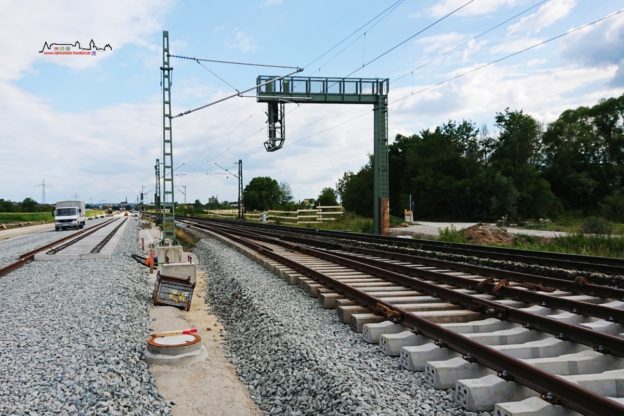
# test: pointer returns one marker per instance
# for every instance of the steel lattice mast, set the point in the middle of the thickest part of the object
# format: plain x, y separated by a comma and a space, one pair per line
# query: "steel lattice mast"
168, 200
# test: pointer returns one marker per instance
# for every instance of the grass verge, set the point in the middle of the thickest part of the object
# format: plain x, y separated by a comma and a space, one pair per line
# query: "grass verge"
9, 217
186, 239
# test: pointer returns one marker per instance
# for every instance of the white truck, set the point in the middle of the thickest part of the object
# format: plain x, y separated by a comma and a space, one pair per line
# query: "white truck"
69, 214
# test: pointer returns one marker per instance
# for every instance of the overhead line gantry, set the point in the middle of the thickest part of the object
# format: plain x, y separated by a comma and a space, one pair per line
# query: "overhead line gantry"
277, 91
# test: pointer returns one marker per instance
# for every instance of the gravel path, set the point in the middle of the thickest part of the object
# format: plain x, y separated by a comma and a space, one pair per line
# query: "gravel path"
72, 336
298, 358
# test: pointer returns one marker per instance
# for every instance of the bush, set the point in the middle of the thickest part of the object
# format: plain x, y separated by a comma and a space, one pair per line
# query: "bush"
451, 235
8, 217
596, 225
613, 206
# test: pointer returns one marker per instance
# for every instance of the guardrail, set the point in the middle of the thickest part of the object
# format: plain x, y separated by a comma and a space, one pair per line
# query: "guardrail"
316, 215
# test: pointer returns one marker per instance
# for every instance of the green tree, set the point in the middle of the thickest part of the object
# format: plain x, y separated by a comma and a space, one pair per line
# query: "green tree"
285, 198
584, 154
28, 205
262, 193
518, 156
6, 206
327, 197
356, 190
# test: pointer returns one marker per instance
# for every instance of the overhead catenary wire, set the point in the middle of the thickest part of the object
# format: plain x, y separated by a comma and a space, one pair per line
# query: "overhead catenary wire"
561, 35
217, 75
461, 45
377, 19
237, 94
218, 61
528, 48
404, 41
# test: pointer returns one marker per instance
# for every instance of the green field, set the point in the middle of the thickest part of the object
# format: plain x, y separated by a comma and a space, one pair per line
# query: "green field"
8, 217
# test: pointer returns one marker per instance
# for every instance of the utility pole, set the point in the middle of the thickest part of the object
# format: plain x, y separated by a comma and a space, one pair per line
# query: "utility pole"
241, 211
168, 197
157, 185
141, 206
76, 196
43, 187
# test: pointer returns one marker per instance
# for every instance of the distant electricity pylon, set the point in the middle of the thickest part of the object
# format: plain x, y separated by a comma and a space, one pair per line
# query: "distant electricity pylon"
43, 187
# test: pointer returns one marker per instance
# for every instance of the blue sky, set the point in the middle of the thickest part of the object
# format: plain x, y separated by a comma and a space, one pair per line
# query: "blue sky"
92, 125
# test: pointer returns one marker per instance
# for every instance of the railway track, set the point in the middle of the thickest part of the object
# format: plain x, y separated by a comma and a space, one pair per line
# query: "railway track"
503, 343
58, 245
580, 263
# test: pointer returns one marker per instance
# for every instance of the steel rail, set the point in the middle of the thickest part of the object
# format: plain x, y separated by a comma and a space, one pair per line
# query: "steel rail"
553, 388
82, 236
601, 342
30, 255
99, 246
607, 265
535, 282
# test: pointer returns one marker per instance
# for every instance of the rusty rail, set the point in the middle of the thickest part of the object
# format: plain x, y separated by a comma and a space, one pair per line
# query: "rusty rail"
30, 255
552, 388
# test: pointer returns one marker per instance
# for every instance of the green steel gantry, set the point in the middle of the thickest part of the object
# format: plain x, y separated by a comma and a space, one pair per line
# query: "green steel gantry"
321, 90
167, 196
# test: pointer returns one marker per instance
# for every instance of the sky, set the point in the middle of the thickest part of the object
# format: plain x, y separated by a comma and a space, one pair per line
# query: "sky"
91, 125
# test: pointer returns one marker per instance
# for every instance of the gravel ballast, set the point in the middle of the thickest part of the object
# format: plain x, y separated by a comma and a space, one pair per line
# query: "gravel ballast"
298, 358
73, 335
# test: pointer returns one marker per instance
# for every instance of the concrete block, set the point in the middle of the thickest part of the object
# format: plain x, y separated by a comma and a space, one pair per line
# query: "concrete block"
516, 335
358, 320
345, 312
481, 394
615, 304
547, 347
533, 406
180, 271
444, 374
173, 253
391, 344
603, 326
568, 317
484, 325
445, 317
607, 383
584, 362
584, 298
328, 299
372, 332
538, 310
416, 357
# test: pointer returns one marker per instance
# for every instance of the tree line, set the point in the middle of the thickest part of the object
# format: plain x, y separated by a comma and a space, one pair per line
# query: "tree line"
572, 166
27, 205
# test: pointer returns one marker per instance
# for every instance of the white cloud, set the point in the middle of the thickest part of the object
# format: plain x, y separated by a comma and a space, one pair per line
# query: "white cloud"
599, 45
442, 43
23, 31
544, 94
269, 3
545, 16
241, 41
479, 7
513, 45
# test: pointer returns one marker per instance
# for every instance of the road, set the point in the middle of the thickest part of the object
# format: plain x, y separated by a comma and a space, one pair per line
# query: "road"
433, 228
29, 229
